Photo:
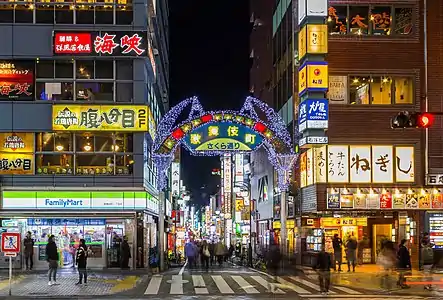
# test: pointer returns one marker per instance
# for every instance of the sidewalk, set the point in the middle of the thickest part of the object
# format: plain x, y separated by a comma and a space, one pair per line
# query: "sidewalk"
35, 285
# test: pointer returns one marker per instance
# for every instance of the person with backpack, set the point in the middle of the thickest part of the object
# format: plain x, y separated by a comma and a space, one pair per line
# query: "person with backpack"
81, 260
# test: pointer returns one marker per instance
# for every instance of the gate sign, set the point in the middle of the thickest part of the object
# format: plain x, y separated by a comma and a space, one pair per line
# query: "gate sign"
313, 114
11, 242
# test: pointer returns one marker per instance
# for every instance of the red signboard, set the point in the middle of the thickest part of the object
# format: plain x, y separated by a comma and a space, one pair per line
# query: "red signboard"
17, 80
11, 242
100, 43
386, 201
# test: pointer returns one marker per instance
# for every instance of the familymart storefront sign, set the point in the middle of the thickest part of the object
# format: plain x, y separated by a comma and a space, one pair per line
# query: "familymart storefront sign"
65, 200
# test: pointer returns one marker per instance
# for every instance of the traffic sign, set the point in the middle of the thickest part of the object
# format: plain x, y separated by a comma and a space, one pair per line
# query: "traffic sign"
10, 254
11, 242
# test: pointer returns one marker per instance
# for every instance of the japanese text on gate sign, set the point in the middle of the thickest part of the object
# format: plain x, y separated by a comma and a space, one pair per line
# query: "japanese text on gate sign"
11, 242
83, 43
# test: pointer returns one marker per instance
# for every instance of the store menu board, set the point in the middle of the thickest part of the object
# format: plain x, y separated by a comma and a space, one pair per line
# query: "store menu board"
436, 229
314, 241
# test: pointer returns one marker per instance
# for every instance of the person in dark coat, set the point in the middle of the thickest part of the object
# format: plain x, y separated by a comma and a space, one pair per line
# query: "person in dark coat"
351, 255
28, 244
323, 267
81, 260
404, 263
126, 253
337, 244
52, 258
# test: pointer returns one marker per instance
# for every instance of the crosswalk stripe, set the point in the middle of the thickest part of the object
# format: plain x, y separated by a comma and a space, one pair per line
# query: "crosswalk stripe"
246, 286
154, 285
347, 290
222, 286
199, 284
266, 284
308, 283
293, 287
177, 285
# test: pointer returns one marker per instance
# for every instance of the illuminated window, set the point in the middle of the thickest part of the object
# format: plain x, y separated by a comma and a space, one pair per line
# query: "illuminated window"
403, 90
359, 89
381, 90
44, 13
24, 13
6, 13
381, 19
94, 91
64, 14
94, 164
403, 20
51, 164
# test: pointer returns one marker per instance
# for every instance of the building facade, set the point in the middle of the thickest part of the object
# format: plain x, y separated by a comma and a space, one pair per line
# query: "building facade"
83, 85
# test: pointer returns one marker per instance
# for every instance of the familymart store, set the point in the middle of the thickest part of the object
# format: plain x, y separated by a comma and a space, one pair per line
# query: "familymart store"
102, 218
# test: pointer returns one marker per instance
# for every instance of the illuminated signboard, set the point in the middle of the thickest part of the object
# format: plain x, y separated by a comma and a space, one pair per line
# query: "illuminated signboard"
17, 80
100, 118
100, 43
17, 153
313, 39
313, 76
224, 136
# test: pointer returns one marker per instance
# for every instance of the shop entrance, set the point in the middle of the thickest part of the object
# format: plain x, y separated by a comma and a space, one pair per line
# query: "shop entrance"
380, 233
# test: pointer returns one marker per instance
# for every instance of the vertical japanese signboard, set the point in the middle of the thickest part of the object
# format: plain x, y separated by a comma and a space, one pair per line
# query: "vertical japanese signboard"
17, 79
227, 185
175, 185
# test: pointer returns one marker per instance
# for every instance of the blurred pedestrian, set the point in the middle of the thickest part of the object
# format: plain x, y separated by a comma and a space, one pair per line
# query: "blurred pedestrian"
427, 256
205, 254
81, 261
337, 244
387, 261
273, 262
404, 263
323, 267
190, 253
351, 248
126, 253
362, 244
220, 252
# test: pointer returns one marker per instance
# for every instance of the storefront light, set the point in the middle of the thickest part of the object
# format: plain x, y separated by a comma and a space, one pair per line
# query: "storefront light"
435, 191
384, 191
423, 192
59, 147
115, 148
87, 147
410, 191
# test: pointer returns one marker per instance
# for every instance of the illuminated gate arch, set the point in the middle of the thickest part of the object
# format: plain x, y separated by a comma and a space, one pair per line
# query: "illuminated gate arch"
209, 133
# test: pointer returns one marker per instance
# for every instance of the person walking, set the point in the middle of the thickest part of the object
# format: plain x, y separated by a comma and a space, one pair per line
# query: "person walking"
52, 258
28, 244
351, 249
81, 261
205, 254
404, 263
427, 258
212, 252
362, 244
273, 263
337, 244
386, 260
220, 252
323, 267
126, 253
190, 253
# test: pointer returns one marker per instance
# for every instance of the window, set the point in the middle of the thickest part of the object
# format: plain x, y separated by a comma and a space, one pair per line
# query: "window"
23, 14
124, 15
380, 20
64, 69
55, 91
381, 90
104, 15
84, 14
124, 92
85, 69
64, 14
6, 13
45, 69
104, 69
89, 154
94, 91
124, 69
44, 14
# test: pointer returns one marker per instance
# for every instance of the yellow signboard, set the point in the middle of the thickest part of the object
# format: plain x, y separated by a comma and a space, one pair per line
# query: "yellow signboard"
317, 76
238, 205
302, 79
317, 38
302, 43
100, 117
19, 142
16, 163
152, 125
225, 144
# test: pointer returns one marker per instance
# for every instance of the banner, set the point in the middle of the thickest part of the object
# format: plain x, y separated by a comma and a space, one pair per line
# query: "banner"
19, 142
17, 79
16, 153
100, 118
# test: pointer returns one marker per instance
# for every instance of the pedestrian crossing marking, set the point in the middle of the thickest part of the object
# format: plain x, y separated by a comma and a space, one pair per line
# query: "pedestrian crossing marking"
222, 286
307, 283
199, 284
177, 285
267, 285
249, 289
293, 287
154, 285
346, 290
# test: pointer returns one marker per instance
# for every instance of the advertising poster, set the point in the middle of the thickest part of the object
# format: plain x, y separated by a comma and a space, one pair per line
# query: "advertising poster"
333, 201
386, 201
100, 118
16, 153
317, 76
411, 201
17, 80
360, 200
424, 201
373, 201
347, 201
437, 201
317, 38
338, 90
399, 201
309, 169
320, 165
303, 169
405, 164
302, 49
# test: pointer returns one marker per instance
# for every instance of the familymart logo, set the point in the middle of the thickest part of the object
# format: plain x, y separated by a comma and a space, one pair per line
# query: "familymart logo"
64, 202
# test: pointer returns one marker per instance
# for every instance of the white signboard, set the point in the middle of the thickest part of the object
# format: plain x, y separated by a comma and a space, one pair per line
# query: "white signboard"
227, 174
301, 10
175, 170
405, 165
434, 179
338, 90
382, 164
309, 167
313, 140
320, 165
338, 164
239, 168
316, 8
360, 164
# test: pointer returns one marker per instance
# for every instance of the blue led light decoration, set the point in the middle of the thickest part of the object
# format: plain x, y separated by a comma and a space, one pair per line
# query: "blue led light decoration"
200, 135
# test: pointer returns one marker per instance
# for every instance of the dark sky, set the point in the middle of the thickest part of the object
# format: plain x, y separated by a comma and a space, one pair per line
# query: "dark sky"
209, 58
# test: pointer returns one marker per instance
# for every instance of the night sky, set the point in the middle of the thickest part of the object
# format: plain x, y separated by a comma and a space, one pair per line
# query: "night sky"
209, 58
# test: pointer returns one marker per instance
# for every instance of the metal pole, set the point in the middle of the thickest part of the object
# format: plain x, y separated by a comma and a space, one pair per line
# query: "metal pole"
161, 230
10, 275
283, 213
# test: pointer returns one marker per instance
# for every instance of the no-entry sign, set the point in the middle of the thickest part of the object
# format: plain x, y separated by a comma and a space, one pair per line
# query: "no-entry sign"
11, 242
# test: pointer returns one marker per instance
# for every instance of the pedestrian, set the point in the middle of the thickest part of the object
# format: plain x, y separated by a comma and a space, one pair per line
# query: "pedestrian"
212, 252
351, 248
126, 253
28, 244
337, 244
404, 263
386, 260
427, 257
219, 252
52, 257
81, 261
323, 267
362, 244
273, 262
205, 254
190, 253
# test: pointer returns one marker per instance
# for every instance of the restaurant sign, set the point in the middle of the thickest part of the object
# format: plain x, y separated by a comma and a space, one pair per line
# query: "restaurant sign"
100, 118
434, 179
313, 76
313, 114
16, 153
100, 43
17, 79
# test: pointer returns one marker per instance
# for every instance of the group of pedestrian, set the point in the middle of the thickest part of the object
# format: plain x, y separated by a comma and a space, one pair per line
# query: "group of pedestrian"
351, 246
207, 253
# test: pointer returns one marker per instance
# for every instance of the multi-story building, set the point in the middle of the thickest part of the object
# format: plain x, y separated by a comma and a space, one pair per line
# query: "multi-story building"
83, 85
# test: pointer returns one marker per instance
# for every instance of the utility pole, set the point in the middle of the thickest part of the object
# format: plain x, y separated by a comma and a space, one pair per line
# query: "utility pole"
161, 230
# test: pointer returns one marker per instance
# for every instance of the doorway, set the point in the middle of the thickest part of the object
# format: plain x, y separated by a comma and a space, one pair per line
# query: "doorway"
380, 233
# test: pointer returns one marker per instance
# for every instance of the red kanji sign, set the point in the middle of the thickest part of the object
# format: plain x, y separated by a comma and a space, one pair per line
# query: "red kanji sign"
11, 242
